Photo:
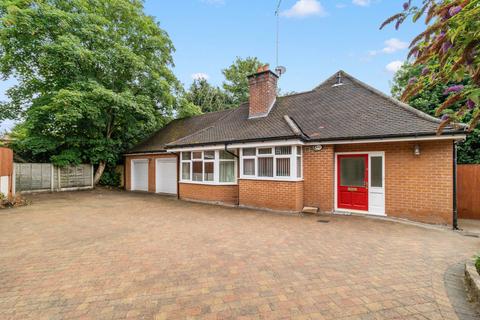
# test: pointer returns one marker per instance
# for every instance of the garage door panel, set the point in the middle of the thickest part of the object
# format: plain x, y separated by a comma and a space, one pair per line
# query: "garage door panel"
166, 175
140, 175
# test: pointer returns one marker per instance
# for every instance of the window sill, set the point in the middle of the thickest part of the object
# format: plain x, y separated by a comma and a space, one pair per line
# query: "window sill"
210, 183
272, 179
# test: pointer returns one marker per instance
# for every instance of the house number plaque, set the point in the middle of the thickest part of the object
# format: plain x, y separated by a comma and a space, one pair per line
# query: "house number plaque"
352, 189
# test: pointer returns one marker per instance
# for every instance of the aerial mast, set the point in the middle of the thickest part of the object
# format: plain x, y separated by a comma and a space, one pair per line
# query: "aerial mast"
278, 69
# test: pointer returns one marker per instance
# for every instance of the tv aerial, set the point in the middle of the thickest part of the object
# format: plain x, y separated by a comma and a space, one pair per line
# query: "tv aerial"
278, 69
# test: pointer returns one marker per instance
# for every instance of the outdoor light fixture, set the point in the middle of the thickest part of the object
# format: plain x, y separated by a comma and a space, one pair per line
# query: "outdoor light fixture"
416, 150
317, 147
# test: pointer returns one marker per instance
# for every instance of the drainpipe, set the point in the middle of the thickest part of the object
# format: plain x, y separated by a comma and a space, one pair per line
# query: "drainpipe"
455, 212
227, 151
237, 173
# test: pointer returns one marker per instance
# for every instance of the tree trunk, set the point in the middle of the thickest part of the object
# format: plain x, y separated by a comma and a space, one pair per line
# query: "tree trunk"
99, 172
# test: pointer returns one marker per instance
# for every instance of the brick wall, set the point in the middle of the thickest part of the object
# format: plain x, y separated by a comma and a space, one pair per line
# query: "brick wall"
211, 193
151, 169
416, 187
318, 174
277, 195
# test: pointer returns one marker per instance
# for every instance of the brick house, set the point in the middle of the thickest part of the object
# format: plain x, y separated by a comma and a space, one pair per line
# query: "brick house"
341, 147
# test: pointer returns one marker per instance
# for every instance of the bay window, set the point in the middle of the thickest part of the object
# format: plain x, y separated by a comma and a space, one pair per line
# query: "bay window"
208, 167
281, 162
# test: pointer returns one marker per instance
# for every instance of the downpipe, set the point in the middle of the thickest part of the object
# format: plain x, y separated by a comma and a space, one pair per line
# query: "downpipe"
455, 209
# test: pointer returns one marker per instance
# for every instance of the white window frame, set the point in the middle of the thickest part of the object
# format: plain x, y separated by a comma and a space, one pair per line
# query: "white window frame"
293, 156
216, 168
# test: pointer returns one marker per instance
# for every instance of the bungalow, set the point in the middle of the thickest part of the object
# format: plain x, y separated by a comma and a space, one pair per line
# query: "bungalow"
341, 147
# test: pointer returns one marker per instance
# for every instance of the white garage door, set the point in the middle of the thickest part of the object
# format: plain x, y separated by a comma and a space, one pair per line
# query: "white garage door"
166, 175
140, 175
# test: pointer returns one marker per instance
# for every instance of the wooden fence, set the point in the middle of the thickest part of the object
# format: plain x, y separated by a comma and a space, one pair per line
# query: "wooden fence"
468, 191
6, 172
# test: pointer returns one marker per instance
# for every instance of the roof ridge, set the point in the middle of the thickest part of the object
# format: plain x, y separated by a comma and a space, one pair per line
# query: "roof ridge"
229, 111
401, 104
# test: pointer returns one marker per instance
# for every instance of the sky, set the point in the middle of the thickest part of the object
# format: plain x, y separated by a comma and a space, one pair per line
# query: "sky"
316, 39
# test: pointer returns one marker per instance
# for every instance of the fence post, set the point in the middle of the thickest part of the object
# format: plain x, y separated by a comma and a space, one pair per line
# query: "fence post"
92, 176
52, 178
59, 180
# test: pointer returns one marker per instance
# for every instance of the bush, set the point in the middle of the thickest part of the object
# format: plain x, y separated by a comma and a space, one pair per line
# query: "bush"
477, 263
110, 178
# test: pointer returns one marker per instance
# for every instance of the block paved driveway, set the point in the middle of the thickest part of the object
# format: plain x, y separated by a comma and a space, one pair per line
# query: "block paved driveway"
115, 255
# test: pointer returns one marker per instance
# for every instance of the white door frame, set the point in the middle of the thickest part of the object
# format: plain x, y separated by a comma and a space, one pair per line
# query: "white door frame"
166, 160
132, 176
370, 155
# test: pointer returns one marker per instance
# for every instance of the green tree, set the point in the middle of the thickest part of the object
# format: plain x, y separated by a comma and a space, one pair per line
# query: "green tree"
188, 109
94, 77
448, 48
236, 82
209, 98
428, 99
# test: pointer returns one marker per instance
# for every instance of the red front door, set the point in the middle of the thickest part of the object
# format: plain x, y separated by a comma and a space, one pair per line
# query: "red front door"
352, 182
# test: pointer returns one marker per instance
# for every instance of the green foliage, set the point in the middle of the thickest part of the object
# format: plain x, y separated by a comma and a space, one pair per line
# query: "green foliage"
188, 109
110, 177
429, 98
477, 263
209, 98
94, 77
236, 82
449, 50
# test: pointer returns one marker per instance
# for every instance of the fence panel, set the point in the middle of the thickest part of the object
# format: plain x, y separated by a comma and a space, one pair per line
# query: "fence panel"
468, 191
35, 177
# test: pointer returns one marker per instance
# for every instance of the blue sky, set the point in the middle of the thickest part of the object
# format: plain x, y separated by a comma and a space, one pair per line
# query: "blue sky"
317, 38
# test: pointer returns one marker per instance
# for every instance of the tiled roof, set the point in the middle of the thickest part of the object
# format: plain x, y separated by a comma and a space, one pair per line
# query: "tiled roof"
352, 110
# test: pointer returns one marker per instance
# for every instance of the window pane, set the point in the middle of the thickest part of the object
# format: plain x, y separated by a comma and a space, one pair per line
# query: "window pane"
197, 171
186, 155
249, 151
209, 155
299, 150
283, 167
299, 167
265, 167
208, 171
226, 155
197, 155
185, 170
376, 172
283, 150
352, 172
227, 171
249, 167
265, 151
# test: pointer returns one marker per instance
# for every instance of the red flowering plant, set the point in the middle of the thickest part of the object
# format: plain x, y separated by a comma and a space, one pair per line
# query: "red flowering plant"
450, 47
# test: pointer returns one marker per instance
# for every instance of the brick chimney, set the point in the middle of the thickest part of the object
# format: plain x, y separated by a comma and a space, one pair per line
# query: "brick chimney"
263, 92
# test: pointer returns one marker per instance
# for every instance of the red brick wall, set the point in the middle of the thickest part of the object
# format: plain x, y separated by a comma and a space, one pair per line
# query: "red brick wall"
151, 169
318, 175
416, 187
277, 195
213, 193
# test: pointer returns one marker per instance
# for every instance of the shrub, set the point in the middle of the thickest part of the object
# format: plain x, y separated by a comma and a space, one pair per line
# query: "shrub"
110, 178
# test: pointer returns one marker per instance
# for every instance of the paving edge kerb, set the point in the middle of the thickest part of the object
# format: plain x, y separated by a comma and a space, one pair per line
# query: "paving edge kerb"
472, 281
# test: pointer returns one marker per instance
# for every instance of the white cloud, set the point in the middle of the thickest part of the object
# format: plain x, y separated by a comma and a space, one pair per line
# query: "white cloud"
200, 75
362, 3
391, 45
394, 66
304, 8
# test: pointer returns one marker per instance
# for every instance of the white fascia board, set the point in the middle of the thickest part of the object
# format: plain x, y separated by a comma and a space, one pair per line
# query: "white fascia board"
272, 143
420, 138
